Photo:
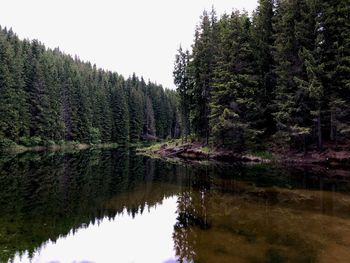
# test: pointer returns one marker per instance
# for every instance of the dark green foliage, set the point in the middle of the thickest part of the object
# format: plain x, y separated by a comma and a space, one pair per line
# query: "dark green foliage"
136, 114
201, 73
262, 44
11, 85
49, 95
235, 95
294, 31
334, 20
120, 112
282, 76
181, 80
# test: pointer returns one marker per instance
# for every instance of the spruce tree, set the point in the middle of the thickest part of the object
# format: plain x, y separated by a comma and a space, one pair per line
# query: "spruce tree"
294, 31
201, 72
262, 43
181, 80
334, 20
235, 96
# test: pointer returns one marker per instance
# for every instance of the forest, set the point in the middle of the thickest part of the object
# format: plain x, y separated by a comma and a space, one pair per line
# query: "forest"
280, 77
48, 97
245, 159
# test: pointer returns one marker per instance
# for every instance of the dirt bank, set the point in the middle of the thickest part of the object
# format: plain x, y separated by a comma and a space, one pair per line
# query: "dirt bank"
198, 152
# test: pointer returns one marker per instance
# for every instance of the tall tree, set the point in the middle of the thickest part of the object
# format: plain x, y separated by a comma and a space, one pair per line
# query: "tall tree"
294, 31
181, 80
334, 20
235, 97
262, 43
202, 64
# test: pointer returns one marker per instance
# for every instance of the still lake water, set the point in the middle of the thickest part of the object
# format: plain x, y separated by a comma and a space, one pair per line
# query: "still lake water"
115, 206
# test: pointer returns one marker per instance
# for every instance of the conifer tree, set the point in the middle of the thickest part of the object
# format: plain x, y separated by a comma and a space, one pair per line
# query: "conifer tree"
294, 31
136, 114
47, 96
262, 44
202, 73
235, 98
8, 128
120, 112
334, 20
181, 80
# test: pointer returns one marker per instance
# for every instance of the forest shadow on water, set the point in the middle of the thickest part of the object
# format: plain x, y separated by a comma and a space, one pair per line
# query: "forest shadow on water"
108, 205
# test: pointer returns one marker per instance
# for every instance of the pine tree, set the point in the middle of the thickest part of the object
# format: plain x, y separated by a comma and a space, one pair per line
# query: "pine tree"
334, 20
235, 98
8, 127
120, 112
181, 80
294, 31
136, 114
201, 72
149, 129
262, 43
38, 93
48, 96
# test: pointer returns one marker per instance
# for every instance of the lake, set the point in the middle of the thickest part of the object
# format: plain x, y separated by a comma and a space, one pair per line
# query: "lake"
116, 206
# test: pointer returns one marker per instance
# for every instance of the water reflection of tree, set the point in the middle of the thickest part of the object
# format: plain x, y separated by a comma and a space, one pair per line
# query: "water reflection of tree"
192, 212
43, 197
221, 206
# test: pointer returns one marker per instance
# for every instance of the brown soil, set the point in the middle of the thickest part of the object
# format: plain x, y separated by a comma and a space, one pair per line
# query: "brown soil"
194, 152
328, 156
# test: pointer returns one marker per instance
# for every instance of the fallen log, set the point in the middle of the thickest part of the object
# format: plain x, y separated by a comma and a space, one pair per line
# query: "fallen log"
175, 153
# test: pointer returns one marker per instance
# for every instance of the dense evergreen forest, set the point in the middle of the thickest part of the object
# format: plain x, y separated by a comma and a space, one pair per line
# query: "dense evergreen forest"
48, 97
280, 77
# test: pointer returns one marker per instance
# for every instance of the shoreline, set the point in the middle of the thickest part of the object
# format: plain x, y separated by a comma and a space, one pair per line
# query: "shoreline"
197, 152
18, 149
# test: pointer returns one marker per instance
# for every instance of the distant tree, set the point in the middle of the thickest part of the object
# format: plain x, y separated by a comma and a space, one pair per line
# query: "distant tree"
50, 96
136, 115
149, 128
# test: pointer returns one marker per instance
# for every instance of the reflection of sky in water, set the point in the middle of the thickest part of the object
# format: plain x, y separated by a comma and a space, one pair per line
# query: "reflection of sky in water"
146, 238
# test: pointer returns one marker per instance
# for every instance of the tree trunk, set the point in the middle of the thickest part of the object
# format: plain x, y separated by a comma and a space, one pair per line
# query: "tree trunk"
304, 144
319, 130
332, 128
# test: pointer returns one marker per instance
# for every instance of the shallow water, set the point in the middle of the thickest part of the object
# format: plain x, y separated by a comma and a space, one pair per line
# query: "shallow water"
115, 206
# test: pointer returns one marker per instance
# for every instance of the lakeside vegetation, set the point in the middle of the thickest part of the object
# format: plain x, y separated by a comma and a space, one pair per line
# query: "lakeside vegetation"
278, 80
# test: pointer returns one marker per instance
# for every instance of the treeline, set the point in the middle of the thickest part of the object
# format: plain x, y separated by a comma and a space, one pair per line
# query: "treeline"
280, 77
48, 97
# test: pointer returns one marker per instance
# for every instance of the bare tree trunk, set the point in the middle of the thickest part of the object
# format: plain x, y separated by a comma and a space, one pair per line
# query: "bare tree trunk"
67, 118
336, 137
207, 137
334, 132
304, 144
319, 130
332, 128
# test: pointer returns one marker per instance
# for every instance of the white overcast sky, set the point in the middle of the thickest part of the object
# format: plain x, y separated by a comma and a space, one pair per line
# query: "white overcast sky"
125, 36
